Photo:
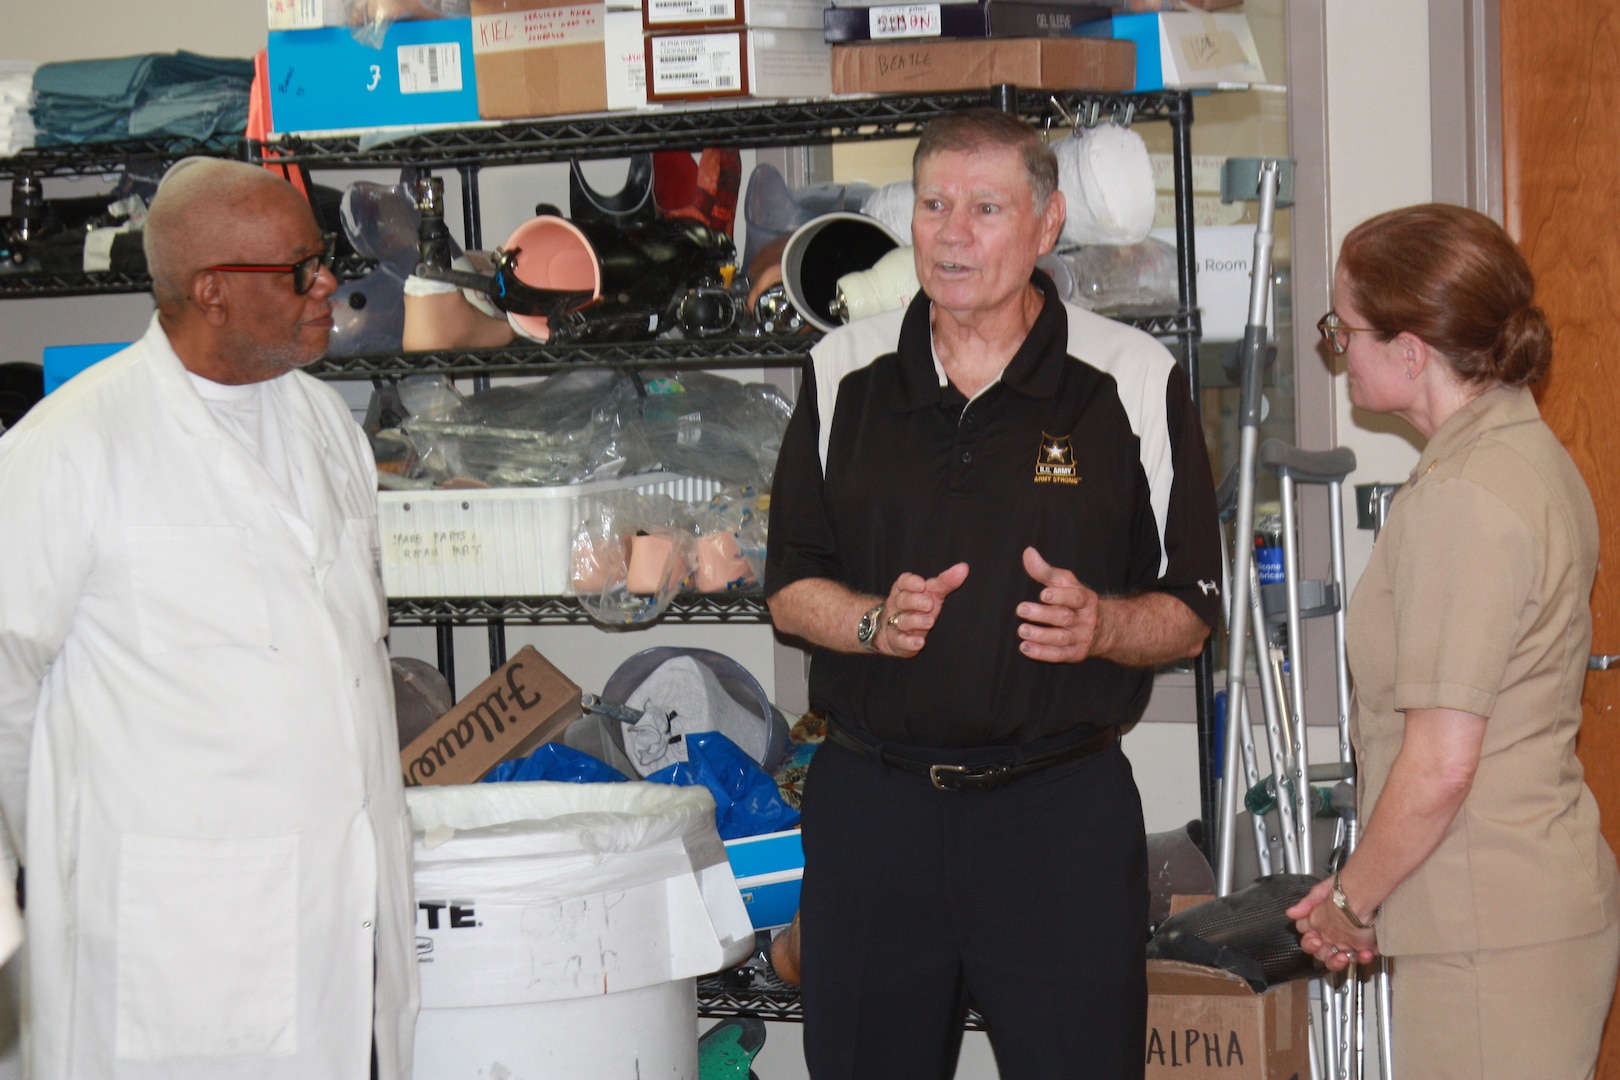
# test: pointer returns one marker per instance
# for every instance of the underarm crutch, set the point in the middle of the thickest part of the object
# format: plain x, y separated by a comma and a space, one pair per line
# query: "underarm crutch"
1264, 182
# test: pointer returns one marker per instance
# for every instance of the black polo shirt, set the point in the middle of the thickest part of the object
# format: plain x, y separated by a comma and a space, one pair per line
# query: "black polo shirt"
1087, 448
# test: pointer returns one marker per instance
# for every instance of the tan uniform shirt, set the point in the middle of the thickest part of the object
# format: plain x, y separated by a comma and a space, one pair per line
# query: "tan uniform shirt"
1476, 599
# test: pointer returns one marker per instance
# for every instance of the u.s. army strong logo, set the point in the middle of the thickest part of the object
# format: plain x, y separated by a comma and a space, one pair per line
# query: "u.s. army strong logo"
1055, 462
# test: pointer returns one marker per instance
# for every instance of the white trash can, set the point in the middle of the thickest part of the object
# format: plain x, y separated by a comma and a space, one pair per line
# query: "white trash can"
560, 928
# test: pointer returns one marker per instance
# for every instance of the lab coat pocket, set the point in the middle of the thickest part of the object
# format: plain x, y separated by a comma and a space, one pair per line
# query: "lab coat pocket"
197, 587
363, 555
207, 947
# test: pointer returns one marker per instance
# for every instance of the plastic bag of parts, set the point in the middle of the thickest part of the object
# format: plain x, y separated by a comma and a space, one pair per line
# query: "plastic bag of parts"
729, 552
632, 555
1113, 280
369, 20
555, 761
700, 424
394, 402
746, 802
564, 429
368, 313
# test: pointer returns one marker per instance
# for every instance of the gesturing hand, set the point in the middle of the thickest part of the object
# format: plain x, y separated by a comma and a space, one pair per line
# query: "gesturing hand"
1062, 627
912, 607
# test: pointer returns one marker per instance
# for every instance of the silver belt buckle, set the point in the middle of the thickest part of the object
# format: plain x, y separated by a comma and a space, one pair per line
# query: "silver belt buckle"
936, 771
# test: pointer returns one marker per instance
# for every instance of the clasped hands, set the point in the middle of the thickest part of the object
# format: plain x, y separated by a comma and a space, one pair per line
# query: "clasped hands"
1060, 628
1327, 935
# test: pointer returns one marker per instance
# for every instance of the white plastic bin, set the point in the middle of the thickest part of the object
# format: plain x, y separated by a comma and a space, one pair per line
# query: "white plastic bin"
499, 541
560, 927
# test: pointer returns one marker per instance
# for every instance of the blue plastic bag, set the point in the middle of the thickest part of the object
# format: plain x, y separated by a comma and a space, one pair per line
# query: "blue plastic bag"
554, 761
746, 801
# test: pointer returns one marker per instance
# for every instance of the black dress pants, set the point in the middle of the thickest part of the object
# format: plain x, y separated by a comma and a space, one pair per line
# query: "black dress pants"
1029, 901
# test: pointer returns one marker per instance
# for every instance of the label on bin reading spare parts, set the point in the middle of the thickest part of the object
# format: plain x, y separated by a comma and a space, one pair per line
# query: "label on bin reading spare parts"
697, 64
436, 546
570, 24
674, 12
430, 69
904, 21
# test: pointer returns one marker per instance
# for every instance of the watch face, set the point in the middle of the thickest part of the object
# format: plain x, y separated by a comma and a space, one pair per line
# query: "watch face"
867, 630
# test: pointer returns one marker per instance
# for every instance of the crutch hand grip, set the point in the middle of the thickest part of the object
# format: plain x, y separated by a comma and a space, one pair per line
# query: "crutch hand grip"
1308, 466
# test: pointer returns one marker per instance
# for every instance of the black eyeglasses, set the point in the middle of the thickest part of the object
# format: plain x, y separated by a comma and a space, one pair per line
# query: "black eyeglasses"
1336, 334
305, 272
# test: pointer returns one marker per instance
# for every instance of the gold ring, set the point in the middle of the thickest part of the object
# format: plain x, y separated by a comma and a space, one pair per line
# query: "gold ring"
894, 620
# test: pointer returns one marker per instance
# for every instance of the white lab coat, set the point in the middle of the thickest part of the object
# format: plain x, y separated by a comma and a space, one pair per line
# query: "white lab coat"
196, 724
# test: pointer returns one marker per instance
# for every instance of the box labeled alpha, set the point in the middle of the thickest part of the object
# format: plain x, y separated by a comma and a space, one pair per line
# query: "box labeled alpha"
324, 80
1209, 1024
1186, 49
738, 62
524, 703
539, 57
924, 66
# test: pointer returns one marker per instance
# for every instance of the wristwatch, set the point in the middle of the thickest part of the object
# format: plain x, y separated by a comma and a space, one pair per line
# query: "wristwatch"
1341, 902
867, 630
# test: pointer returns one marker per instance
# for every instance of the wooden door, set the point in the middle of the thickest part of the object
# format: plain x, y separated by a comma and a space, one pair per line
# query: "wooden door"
1561, 188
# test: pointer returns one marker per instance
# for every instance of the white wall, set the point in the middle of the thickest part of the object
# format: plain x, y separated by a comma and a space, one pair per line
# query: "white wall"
89, 29
1378, 147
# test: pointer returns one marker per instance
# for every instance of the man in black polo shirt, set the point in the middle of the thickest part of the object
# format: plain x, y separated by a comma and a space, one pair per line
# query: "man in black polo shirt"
993, 515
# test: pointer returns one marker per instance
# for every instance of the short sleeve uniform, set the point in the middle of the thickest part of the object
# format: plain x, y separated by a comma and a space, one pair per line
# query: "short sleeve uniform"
1476, 599
1087, 448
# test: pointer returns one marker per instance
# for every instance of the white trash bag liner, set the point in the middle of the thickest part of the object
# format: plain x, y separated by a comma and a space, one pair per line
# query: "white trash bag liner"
543, 890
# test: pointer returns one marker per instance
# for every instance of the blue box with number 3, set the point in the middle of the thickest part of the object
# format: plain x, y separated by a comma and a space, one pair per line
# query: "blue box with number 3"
769, 869
324, 80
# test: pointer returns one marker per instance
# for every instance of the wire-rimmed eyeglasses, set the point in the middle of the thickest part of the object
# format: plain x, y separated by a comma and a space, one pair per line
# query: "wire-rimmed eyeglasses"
1336, 334
305, 272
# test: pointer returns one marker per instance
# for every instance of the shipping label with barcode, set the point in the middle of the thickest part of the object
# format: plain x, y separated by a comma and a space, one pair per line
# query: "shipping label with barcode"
674, 12
430, 69
567, 24
904, 21
697, 64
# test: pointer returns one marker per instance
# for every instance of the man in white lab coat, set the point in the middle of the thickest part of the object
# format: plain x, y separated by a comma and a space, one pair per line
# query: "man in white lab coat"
198, 758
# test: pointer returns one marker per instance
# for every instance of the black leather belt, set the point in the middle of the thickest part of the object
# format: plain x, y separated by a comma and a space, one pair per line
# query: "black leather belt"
986, 777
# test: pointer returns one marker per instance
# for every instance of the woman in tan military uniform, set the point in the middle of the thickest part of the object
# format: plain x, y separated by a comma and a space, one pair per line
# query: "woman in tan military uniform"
1481, 868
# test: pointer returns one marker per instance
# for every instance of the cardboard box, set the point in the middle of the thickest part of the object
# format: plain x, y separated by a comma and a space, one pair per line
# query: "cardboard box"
1186, 49
738, 62
539, 57
699, 14
324, 80
626, 60
1208, 1024
769, 871
524, 703
1077, 63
